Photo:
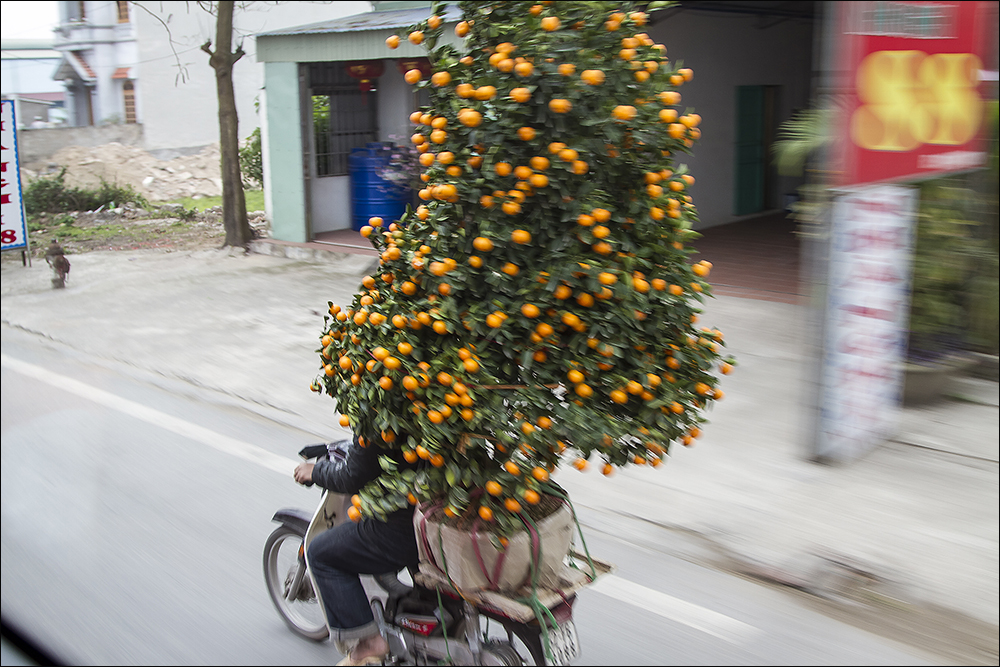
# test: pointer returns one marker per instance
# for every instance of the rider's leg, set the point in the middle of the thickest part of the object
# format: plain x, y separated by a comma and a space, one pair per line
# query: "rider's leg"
339, 555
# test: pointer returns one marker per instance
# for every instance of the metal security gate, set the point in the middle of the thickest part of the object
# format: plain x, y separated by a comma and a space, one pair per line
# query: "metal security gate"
344, 117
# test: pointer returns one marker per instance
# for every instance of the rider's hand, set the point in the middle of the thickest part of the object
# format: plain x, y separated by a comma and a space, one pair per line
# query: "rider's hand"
304, 473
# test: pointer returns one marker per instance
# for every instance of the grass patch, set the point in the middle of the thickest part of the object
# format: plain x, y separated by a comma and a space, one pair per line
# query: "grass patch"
254, 199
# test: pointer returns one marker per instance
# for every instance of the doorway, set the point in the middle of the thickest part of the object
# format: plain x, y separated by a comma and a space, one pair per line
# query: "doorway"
755, 128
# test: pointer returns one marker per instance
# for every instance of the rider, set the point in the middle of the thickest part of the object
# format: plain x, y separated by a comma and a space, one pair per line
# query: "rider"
370, 546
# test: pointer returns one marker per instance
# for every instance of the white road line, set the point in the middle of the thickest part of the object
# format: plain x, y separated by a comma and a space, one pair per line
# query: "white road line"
222, 443
677, 610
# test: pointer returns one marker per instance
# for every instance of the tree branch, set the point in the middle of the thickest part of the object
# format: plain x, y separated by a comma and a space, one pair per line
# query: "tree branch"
181, 70
207, 48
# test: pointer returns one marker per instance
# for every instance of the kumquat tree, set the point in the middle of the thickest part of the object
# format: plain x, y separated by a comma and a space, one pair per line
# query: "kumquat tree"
540, 306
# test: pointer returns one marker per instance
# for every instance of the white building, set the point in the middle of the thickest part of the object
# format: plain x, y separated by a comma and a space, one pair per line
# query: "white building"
99, 62
178, 91
142, 62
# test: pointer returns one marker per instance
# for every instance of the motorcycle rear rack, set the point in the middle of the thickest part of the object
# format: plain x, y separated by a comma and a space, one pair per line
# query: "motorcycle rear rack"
575, 576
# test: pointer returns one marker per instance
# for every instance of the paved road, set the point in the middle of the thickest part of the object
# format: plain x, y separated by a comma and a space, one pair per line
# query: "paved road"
134, 517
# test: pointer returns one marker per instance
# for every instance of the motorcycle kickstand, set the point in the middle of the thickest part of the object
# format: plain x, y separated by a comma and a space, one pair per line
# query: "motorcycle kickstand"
472, 631
393, 636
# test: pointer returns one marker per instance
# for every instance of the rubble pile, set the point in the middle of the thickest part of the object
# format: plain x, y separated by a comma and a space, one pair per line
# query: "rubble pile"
158, 180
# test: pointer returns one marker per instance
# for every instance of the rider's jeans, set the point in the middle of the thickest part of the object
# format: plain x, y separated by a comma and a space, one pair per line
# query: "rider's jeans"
337, 556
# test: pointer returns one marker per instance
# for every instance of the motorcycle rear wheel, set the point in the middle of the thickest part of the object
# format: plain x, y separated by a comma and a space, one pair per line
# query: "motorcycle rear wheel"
516, 638
285, 569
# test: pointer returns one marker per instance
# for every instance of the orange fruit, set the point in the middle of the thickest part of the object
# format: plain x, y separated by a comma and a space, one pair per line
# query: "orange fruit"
520, 95
485, 513
392, 41
439, 79
493, 488
520, 236
354, 513
624, 112
512, 505
566, 69
539, 163
580, 464
670, 97
560, 105
462, 28
512, 468
416, 37
539, 473
413, 76
469, 118
593, 77
550, 23
568, 155
532, 497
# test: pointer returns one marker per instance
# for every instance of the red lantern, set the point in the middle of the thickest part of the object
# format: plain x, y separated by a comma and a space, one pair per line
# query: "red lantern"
422, 64
365, 70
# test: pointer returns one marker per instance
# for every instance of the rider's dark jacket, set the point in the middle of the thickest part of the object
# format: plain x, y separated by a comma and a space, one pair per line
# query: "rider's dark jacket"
359, 466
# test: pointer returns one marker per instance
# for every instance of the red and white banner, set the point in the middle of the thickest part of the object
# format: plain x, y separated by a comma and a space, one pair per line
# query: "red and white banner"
13, 230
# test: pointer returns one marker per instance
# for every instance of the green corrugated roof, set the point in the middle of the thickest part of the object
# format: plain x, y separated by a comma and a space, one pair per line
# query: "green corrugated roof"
397, 18
357, 37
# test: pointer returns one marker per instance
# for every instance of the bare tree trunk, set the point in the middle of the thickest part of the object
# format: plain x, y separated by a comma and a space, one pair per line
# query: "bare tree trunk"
234, 208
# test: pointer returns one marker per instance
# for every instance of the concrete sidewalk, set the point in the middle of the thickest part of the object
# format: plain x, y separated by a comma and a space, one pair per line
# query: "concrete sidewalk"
906, 537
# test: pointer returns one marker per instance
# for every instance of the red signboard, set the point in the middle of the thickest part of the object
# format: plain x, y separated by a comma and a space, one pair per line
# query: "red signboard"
914, 97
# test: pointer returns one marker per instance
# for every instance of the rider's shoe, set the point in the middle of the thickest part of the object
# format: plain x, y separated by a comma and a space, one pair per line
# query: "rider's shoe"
367, 660
376, 647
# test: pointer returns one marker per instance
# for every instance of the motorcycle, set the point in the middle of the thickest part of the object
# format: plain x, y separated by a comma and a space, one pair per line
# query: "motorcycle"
424, 620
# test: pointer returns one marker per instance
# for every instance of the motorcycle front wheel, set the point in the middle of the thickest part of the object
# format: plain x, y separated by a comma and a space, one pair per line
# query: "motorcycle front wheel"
289, 585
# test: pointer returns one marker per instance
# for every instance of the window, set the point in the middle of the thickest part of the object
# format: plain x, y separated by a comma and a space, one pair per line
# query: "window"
122, 11
344, 117
129, 92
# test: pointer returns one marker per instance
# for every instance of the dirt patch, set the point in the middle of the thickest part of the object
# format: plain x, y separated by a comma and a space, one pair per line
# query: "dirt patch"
170, 227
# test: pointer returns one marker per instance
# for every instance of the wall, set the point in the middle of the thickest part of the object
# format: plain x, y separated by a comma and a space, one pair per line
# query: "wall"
178, 94
27, 110
281, 146
726, 51
35, 147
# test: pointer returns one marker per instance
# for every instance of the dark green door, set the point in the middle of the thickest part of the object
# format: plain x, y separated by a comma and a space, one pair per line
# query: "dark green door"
750, 158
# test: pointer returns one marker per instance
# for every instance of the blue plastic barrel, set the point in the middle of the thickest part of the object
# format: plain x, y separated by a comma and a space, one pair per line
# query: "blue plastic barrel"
371, 195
